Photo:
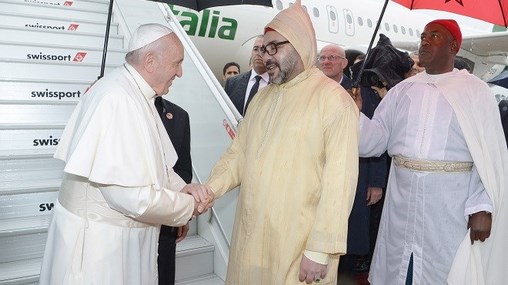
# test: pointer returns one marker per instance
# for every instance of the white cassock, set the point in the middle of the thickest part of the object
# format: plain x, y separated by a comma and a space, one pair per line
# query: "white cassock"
426, 213
118, 188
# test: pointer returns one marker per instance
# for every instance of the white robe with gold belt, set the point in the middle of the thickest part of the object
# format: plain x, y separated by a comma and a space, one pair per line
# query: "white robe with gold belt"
425, 214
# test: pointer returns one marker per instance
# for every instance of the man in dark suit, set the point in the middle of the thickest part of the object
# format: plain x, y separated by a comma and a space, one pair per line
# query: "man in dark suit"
332, 61
230, 69
372, 172
243, 87
176, 122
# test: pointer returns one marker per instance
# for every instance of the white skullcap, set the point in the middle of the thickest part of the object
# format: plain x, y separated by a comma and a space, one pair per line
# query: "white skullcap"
147, 34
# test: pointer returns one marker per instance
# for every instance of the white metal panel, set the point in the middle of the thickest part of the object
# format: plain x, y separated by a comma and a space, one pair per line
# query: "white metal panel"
42, 92
54, 37
194, 258
60, 24
26, 205
49, 71
27, 169
22, 272
30, 139
29, 174
59, 53
35, 114
210, 279
21, 247
65, 5
52, 11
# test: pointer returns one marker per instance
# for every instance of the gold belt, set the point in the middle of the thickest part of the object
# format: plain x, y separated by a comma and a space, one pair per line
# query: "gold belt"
432, 165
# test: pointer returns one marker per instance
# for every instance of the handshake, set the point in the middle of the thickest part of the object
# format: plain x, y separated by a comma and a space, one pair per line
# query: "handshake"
203, 197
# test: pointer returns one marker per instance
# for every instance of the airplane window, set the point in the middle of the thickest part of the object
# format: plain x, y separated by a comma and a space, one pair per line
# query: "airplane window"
360, 21
304, 8
387, 27
410, 32
395, 29
349, 19
403, 30
369, 23
418, 33
315, 11
279, 5
333, 17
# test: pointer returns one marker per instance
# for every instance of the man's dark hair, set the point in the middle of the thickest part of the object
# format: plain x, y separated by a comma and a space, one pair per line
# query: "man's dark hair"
352, 55
229, 64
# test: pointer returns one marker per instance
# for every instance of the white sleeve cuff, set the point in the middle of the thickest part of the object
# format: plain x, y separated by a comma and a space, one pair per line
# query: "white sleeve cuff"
319, 257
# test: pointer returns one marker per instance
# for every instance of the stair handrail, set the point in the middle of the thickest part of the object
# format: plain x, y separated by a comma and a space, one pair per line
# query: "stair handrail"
232, 114
227, 106
213, 213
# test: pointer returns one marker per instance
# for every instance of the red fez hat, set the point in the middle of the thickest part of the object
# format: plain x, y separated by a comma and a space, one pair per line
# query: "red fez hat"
452, 27
268, 29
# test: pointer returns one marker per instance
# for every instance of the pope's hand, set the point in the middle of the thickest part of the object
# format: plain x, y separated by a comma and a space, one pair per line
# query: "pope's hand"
203, 197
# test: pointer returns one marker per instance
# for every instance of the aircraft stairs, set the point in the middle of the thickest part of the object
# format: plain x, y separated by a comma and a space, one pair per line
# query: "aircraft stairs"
50, 52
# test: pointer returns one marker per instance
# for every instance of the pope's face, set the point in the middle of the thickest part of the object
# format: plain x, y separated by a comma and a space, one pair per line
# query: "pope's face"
168, 64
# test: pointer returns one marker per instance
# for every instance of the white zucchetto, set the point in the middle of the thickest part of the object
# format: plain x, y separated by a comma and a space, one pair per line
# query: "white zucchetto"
147, 34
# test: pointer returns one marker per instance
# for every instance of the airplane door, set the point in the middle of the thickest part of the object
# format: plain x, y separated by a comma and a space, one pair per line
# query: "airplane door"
349, 22
333, 20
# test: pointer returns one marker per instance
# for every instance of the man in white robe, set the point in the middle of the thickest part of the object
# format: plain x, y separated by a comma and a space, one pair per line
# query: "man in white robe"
118, 185
443, 131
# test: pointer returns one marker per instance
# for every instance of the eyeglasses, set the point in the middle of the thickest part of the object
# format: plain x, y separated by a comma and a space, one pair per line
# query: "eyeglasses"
330, 58
271, 48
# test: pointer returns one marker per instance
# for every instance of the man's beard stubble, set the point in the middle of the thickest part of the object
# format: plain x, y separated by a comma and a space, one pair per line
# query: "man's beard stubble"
286, 67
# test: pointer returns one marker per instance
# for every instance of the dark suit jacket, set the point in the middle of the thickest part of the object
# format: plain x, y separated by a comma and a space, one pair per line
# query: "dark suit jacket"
236, 87
178, 128
372, 173
346, 82
176, 123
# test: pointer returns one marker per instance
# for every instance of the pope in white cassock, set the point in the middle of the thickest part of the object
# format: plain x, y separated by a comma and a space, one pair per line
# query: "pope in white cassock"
443, 130
118, 185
